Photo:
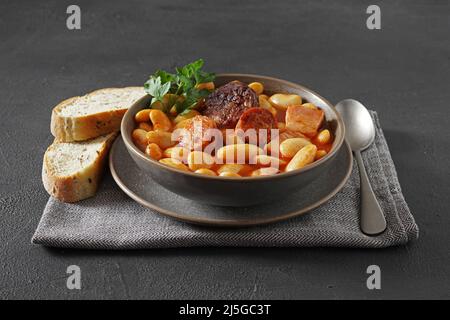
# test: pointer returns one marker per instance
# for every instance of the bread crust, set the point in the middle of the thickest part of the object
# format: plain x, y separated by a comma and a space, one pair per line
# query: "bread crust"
80, 185
69, 129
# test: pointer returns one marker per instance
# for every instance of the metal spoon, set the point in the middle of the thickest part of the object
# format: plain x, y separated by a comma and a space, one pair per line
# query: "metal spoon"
360, 133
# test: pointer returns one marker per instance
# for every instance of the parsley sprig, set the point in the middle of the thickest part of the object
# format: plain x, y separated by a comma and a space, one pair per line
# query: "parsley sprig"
183, 83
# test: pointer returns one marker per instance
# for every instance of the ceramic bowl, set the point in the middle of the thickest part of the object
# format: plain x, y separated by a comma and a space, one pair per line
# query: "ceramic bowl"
225, 191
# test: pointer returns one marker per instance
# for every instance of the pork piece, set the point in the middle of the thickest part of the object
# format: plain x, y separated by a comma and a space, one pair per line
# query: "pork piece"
226, 104
305, 120
192, 138
257, 118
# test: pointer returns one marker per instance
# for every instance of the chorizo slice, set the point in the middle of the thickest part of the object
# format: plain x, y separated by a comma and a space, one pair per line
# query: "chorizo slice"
258, 119
195, 132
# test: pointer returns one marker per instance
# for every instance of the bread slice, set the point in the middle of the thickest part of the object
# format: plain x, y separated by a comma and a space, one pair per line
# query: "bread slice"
97, 113
72, 170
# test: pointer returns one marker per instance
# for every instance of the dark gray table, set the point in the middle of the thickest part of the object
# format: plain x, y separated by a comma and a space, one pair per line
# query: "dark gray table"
402, 71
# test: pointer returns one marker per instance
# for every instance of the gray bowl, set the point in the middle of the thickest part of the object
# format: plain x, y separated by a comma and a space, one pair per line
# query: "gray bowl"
247, 191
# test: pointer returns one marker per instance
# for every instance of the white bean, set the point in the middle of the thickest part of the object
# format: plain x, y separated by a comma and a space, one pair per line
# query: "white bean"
302, 158
268, 161
289, 147
161, 138
199, 160
160, 120
237, 153
283, 101
174, 163
270, 171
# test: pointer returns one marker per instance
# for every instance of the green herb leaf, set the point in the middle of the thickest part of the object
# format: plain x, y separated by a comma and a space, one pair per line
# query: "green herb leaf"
165, 76
183, 83
156, 89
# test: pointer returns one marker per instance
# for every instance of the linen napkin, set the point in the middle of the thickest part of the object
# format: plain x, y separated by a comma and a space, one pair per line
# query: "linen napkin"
112, 220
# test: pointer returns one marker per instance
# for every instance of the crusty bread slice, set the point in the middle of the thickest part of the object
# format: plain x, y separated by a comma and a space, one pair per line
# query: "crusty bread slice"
97, 113
72, 170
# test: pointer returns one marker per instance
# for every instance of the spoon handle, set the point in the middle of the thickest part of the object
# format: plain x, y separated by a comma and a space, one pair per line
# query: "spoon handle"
372, 218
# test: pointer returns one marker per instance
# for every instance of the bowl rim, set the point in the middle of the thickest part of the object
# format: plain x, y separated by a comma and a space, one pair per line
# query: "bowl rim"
131, 146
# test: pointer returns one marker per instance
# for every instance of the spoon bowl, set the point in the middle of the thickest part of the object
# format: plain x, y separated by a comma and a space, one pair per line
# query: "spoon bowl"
360, 131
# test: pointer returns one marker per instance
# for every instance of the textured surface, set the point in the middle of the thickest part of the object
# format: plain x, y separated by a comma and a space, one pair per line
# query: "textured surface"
111, 220
401, 71
102, 101
68, 158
